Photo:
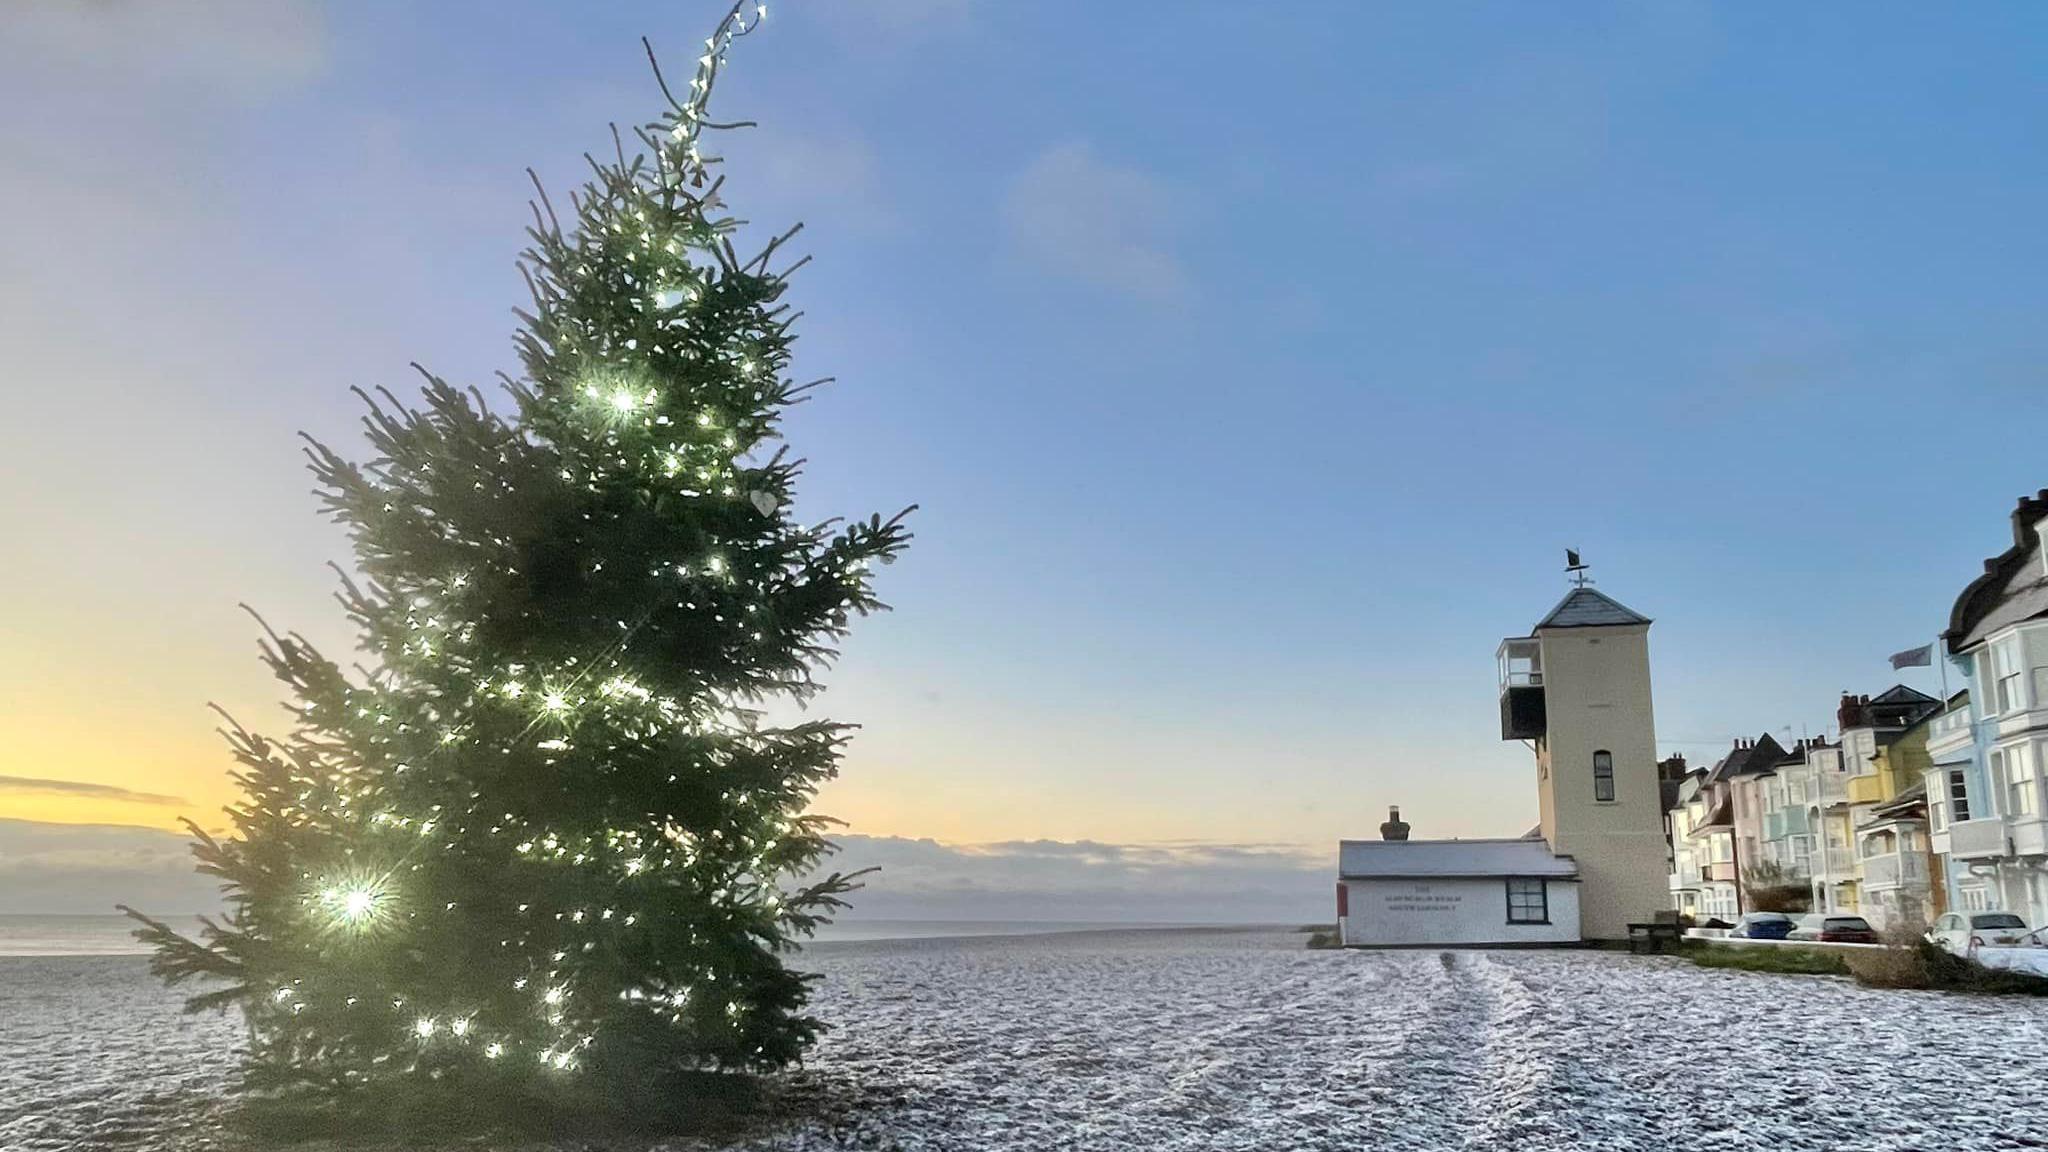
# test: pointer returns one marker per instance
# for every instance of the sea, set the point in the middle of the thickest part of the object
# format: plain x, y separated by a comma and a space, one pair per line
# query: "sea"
22, 935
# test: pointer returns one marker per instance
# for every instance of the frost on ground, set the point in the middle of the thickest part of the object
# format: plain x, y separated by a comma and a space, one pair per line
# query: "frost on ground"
1201, 1039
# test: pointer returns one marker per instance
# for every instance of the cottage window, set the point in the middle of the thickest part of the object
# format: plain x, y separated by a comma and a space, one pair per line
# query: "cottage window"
1603, 776
1528, 902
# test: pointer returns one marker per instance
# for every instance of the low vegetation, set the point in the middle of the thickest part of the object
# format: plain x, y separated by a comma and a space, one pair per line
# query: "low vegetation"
1320, 935
1915, 963
1907, 961
1788, 959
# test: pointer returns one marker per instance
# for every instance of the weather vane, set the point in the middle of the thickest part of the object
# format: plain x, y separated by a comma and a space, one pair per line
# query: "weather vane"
1575, 569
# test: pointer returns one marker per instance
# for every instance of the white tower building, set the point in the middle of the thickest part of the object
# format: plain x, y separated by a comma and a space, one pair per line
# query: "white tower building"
1577, 688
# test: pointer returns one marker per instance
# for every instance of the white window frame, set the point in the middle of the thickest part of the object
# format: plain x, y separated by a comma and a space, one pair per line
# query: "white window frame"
2006, 674
2015, 767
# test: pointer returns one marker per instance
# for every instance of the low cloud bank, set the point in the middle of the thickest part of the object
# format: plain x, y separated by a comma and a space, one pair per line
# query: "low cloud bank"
86, 869
58, 869
1195, 882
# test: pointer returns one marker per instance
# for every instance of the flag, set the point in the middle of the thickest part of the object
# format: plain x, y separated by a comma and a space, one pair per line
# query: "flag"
1919, 657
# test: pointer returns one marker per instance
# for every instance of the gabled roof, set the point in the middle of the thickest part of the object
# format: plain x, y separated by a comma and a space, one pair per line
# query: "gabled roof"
1720, 819
2014, 586
1445, 859
1583, 607
1762, 754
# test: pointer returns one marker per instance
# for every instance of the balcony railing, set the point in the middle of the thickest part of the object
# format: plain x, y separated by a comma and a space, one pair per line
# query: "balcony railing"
1948, 724
1977, 839
1895, 870
1839, 862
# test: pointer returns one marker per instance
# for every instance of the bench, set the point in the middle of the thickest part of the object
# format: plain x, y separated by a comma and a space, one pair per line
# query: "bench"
1655, 936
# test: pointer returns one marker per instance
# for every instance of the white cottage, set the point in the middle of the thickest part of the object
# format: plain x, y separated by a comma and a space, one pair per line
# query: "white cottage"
1397, 892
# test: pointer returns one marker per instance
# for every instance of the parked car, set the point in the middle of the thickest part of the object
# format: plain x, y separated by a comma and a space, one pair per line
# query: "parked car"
1824, 928
1763, 926
1962, 933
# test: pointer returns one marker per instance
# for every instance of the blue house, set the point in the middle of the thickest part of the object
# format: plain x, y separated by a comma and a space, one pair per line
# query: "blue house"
1986, 811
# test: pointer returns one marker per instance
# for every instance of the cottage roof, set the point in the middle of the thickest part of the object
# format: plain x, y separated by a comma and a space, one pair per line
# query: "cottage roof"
2014, 586
1449, 859
1584, 607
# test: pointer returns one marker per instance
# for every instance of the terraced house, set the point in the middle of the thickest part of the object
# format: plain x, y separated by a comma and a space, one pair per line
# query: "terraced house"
1797, 797
1720, 822
1884, 756
1988, 751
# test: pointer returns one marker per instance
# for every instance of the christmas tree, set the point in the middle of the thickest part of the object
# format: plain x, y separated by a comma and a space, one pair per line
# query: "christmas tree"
545, 833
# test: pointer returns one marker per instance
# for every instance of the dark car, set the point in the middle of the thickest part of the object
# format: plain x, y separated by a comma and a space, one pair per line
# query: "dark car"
1763, 926
1826, 929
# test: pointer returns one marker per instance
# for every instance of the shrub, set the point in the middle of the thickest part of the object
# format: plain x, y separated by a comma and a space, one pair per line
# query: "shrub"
1913, 962
1897, 966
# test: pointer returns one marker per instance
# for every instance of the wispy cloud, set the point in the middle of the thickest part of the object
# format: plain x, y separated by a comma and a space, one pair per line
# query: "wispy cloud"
251, 46
1077, 215
828, 177
85, 788
1087, 880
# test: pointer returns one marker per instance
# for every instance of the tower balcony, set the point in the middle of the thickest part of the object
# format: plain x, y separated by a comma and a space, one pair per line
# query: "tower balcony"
1522, 715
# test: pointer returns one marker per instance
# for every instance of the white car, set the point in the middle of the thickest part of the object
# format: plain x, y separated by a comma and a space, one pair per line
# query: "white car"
1961, 933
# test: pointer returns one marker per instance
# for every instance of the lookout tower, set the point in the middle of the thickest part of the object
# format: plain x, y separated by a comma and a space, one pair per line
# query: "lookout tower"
1577, 689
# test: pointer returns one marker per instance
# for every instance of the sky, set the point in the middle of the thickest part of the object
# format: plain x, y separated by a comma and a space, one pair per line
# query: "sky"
1252, 367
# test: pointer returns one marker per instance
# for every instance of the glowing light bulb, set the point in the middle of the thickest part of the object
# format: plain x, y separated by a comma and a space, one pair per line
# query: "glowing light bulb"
459, 1026
554, 702
358, 903
553, 996
494, 1051
624, 401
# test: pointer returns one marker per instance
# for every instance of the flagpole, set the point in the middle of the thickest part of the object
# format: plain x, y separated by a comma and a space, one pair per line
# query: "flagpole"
1941, 663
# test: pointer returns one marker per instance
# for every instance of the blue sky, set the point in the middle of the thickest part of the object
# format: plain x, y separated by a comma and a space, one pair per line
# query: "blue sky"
1252, 365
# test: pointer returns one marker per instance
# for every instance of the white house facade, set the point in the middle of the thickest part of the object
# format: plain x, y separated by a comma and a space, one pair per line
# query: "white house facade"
1409, 893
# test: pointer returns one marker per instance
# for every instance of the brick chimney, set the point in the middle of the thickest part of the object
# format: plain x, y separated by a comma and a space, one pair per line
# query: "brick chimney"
1395, 828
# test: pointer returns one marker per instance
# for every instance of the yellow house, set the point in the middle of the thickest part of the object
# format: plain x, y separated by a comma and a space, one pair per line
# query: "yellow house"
1884, 749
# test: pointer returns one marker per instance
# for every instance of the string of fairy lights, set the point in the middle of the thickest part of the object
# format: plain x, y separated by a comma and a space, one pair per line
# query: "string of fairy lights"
641, 235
